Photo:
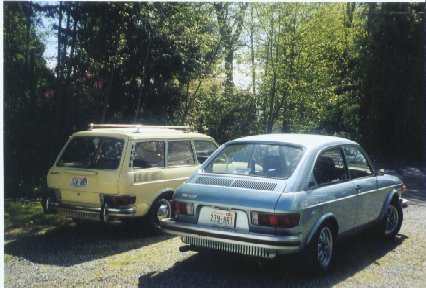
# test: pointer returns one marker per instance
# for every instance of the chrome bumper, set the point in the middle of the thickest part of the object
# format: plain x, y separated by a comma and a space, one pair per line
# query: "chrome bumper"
404, 202
259, 245
92, 213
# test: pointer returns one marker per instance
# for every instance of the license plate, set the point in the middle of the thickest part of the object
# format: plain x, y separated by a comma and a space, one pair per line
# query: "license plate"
222, 218
79, 181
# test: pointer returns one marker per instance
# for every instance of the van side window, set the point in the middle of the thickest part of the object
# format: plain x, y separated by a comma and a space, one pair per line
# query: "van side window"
180, 153
330, 167
357, 163
204, 149
149, 154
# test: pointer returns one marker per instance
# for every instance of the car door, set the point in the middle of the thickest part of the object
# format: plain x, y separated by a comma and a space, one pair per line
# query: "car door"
364, 179
331, 189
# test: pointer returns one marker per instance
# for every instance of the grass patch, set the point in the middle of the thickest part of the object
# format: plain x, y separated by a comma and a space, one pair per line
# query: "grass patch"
27, 214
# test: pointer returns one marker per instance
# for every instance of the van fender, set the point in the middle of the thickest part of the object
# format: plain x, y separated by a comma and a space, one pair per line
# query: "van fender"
324, 218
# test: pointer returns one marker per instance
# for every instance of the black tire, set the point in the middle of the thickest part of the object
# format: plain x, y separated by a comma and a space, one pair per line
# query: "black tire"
389, 226
153, 219
321, 261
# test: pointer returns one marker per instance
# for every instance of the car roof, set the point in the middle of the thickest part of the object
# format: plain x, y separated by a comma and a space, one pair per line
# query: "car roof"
305, 140
142, 133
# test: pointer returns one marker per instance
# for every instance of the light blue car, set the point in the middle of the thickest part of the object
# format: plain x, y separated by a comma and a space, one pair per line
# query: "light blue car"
275, 194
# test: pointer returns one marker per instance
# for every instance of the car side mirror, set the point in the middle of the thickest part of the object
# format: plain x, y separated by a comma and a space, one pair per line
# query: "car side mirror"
381, 172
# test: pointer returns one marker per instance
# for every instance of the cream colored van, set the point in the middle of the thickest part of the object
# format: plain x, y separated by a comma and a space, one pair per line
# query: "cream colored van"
115, 171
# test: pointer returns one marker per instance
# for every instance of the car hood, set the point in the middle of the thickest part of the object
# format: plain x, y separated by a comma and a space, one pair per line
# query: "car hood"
232, 192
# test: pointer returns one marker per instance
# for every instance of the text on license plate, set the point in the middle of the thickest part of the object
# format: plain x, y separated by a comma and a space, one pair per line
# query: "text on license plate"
79, 181
222, 218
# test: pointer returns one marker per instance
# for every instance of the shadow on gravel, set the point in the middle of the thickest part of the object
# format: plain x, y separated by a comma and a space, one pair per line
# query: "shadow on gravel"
72, 244
213, 270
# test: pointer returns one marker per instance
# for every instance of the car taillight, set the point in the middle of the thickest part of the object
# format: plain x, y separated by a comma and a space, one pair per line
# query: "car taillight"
182, 208
275, 220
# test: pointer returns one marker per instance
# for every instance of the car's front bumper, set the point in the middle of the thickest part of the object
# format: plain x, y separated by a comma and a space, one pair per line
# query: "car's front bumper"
92, 213
260, 245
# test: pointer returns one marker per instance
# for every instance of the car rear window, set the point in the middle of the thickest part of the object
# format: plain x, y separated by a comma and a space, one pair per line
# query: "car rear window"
254, 159
92, 153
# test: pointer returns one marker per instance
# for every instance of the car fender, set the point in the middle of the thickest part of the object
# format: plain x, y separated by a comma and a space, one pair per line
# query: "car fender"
326, 217
393, 193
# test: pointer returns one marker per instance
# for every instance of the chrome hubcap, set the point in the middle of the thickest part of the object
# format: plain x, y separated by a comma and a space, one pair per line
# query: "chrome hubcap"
325, 247
392, 219
164, 210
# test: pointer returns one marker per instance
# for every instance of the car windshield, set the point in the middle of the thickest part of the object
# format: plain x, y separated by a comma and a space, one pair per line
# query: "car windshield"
92, 153
254, 159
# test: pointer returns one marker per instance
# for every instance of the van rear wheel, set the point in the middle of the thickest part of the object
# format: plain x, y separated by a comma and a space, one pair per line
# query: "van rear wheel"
161, 209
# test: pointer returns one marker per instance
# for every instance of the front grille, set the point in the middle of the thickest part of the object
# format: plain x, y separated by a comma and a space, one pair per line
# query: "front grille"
240, 183
255, 185
218, 181
228, 247
69, 213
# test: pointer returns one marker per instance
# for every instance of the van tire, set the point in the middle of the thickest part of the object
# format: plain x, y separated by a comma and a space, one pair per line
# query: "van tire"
153, 220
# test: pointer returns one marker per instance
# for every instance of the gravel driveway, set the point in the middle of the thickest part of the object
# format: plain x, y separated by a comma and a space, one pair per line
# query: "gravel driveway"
124, 256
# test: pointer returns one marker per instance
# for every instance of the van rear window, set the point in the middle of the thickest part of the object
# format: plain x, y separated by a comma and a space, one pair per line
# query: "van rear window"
92, 153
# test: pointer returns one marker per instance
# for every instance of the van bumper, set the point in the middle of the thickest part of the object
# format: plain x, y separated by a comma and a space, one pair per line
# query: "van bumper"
92, 213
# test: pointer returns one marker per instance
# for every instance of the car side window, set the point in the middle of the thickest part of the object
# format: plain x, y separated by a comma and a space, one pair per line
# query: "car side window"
330, 167
204, 149
357, 163
149, 154
180, 153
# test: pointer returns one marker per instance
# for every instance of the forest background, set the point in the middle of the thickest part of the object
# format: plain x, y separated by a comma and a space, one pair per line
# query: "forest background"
226, 69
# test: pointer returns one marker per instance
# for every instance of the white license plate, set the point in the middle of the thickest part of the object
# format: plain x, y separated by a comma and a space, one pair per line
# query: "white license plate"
79, 181
222, 218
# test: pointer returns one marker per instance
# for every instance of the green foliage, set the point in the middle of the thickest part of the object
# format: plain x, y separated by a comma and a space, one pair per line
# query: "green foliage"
392, 81
21, 214
223, 117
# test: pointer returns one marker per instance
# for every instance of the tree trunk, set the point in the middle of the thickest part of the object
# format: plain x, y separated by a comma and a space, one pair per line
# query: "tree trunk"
253, 67
229, 69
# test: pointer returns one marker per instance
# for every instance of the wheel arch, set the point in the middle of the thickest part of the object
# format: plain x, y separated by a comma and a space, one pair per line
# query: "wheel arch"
326, 218
392, 197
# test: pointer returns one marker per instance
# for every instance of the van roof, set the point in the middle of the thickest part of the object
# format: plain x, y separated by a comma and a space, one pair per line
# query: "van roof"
142, 133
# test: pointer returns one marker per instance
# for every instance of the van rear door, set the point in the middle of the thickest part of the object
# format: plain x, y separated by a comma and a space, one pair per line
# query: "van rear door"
87, 167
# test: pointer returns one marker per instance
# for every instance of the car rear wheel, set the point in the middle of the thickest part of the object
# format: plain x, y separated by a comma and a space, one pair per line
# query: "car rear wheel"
320, 252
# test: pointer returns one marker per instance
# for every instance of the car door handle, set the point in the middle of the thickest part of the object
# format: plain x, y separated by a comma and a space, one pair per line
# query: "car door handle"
358, 188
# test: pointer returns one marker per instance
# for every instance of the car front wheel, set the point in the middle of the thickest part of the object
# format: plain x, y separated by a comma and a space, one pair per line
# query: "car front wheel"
392, 221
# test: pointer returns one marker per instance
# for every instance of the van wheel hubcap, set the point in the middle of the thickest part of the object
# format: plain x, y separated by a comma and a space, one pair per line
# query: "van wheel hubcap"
164, 209
392, 219
325, 247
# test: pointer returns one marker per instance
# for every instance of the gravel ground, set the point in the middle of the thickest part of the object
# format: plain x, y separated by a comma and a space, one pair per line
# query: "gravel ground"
124, 256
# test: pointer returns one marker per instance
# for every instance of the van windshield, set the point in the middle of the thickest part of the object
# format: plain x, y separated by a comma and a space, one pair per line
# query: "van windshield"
254, 159
92, 153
